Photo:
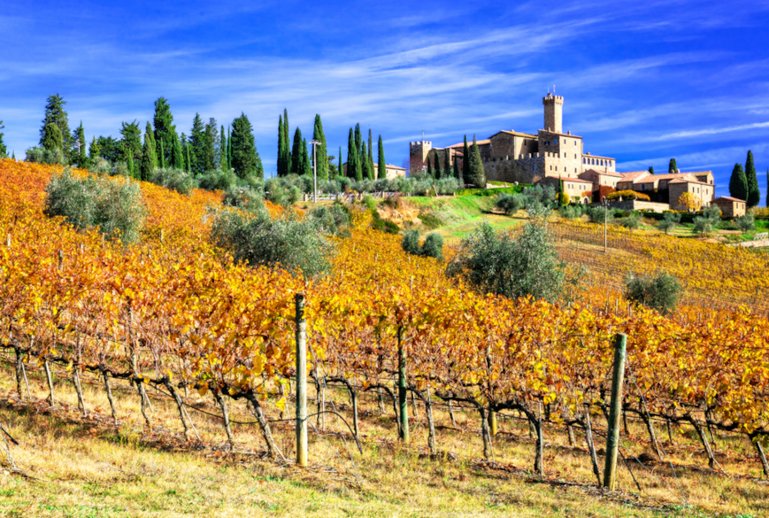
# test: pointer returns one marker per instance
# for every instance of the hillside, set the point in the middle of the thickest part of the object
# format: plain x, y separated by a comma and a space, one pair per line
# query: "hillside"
200, 325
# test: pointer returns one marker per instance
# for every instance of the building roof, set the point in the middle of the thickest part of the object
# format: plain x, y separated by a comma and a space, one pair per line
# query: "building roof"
392, 166
596, 156
513, 132
729, 198
604, 173
551, 132
578, 180
632, 175
469, 143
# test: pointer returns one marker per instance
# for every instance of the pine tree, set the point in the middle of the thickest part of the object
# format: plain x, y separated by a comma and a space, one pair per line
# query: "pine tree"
81, 147
466, 162
3, 149
352, 153
382, 167
165, 132
55, 114
672, 166
222, 150
198, 145
149, 161
321, 150
306, 167
738, 183
245, 158
754, 193
52, 139
477, 173
130, 140
296, 153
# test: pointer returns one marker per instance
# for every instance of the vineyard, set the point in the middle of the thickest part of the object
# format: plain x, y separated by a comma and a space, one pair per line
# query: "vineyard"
174, 315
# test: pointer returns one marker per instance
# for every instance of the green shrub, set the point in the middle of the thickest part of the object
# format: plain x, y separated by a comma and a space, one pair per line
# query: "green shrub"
632, 220
433, 246
572, 211
334, 219
509, 203
294, 245
218, 180
599, 214
669, 221
660, 291
115, 208
174, 179
283, 191
244, 198
410, 242
746, 222
498, 263
41, 155
430, 219
383, 225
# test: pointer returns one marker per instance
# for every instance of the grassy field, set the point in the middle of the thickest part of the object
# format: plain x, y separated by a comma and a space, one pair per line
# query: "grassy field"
83, 466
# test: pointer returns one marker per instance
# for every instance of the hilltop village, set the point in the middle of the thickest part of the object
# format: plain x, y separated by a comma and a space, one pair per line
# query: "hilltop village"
557, 157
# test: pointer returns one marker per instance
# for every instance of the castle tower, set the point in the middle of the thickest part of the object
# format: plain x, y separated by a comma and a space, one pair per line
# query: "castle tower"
553, 112
418, 152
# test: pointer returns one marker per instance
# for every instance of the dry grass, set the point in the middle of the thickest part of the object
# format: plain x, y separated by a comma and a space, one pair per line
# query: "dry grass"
84, 467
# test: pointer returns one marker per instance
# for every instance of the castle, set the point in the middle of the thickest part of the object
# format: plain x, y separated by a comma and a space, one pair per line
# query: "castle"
558, 157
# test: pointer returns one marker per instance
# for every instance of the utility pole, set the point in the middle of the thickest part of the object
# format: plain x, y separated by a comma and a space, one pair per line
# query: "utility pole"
315, 170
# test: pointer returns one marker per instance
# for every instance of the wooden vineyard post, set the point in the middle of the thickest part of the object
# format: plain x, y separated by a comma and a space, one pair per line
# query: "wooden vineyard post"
615, 413
402, 389
301, 382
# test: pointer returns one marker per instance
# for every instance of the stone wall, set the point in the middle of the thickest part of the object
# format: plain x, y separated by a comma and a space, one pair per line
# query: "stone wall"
640, 205
524, 170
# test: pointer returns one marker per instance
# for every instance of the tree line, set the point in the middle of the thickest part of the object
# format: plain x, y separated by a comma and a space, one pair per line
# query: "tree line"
743, 183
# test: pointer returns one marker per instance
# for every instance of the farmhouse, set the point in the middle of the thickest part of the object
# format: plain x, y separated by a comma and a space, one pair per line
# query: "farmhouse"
554, 156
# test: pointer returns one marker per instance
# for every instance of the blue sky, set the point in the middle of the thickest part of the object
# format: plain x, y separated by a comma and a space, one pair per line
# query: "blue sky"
643, 81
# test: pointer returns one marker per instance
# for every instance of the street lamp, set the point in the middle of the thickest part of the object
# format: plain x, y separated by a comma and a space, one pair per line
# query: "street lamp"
314, 143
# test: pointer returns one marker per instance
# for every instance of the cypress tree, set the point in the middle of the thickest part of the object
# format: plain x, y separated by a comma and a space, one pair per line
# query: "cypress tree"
130, 140
370, 157
672, 166
149, 159
754, 193
209, 149
382, 167
296, 153
306, 168
446, 164
177, 155
288, 167
81, 158
466, 162
281, 151
351, 154
55, 114
245, 158
457, 172
198, 143
222, 149
229, 148
651, 169
738, 183
3, 148
430, 169
339, 171
165, 132
477, 172
188, 156
94, 149
130, 164
437, 165
321, 150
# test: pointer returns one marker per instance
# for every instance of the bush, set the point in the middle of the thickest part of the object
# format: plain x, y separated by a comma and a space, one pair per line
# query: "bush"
572, 211
383, 225
244, 198
628, 195
599, 214
497, 263
290, 244
218, 180
433, 246
41, 155
282, 191
509, 203
174, 179
631, 221
660, 291
115, 208
746, 222
410, 242
100, 166
669, 221
334, 219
